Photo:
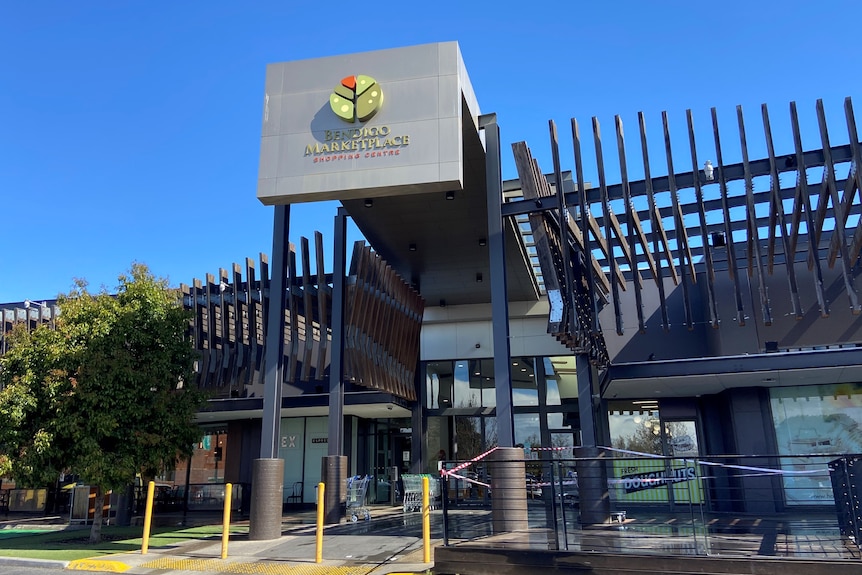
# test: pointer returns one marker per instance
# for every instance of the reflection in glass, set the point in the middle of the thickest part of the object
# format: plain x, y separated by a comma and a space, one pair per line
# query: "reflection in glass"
527, 430
821, 419
635, 428
558, 421
490, 433
524, 389
436, 442
468, 437
681, 438
465, 395
562, 376
482, 379
563, 444
438, 383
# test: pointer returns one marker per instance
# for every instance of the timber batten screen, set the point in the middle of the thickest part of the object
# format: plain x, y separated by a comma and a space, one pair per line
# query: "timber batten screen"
229, 324
719, 226
383, 320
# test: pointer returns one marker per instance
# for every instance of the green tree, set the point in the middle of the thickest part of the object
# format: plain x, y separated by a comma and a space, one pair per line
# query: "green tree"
106, 393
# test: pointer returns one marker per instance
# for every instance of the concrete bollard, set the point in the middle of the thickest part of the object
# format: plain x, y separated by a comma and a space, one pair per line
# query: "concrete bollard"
333, 472
267, 490
508, 490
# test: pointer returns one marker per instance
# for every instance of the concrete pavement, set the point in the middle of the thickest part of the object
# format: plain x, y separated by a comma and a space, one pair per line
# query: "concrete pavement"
391, 542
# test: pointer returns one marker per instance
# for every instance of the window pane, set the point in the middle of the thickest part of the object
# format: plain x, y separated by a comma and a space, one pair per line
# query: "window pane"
558, 421
465, 394
438, 383
527, 430
524, 390
635, 427
436, 442
681, 438
468, 437
490, 433
563, 442
821, 419
561, 379
482, 381
568, 373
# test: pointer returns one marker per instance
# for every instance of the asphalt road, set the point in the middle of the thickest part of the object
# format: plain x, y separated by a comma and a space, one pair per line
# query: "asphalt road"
16, 570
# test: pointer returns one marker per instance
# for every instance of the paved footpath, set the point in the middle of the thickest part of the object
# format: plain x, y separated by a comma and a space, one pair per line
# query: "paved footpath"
389, 543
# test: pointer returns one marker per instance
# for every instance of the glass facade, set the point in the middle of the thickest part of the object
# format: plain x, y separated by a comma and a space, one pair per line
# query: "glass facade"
814, 420
460, 402
637, 427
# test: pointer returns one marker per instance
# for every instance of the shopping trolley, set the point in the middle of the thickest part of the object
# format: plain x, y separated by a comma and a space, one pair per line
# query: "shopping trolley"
413, 491
357, 489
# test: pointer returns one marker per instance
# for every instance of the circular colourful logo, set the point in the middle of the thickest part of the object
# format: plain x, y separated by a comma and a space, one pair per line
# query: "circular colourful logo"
356, 98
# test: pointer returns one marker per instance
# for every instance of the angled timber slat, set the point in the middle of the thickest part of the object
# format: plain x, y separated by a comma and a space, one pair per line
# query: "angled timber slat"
777, 210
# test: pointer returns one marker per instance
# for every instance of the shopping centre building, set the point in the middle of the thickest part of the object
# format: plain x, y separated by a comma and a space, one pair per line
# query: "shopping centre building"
709, 309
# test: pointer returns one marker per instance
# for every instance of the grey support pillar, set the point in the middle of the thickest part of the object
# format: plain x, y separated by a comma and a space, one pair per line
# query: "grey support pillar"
334, 466
508, 488
499, 292
595, 505
263, 522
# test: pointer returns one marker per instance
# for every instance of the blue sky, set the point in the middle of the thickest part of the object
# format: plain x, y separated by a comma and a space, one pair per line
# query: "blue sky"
130, 131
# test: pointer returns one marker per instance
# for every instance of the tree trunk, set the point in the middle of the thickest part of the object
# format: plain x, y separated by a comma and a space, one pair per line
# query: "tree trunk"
96, 529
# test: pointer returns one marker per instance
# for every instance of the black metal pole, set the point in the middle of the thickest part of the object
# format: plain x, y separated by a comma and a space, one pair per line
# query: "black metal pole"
586, 390
499, 293
268, 471
274, 366
335, 441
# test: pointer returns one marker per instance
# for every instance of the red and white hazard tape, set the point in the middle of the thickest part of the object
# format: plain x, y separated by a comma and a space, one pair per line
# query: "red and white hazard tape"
467, 463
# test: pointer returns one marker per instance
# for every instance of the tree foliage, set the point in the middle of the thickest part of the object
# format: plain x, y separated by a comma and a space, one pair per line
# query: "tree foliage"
105, 394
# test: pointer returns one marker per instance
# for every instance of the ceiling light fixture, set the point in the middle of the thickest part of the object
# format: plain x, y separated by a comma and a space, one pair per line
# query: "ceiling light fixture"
483, 242
479, 277
369, 202
450, 195
412, 247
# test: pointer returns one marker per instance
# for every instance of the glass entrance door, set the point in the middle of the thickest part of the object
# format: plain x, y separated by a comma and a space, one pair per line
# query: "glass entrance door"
681, 472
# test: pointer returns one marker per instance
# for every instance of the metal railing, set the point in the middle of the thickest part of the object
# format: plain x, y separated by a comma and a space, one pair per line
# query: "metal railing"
623, 502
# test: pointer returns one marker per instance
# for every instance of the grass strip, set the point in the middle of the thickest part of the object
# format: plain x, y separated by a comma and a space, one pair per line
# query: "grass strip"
72, 543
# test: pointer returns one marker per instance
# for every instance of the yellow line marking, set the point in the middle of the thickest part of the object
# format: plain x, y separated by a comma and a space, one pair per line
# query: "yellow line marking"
97, 565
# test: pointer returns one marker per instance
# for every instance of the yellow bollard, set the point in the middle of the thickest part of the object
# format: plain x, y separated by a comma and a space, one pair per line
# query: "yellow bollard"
225, 529
148, 517
426, 522
318, 556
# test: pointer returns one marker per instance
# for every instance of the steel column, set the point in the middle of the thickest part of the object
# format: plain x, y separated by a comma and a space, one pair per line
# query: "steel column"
586, 391
499, 293
336, 365
273, 377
